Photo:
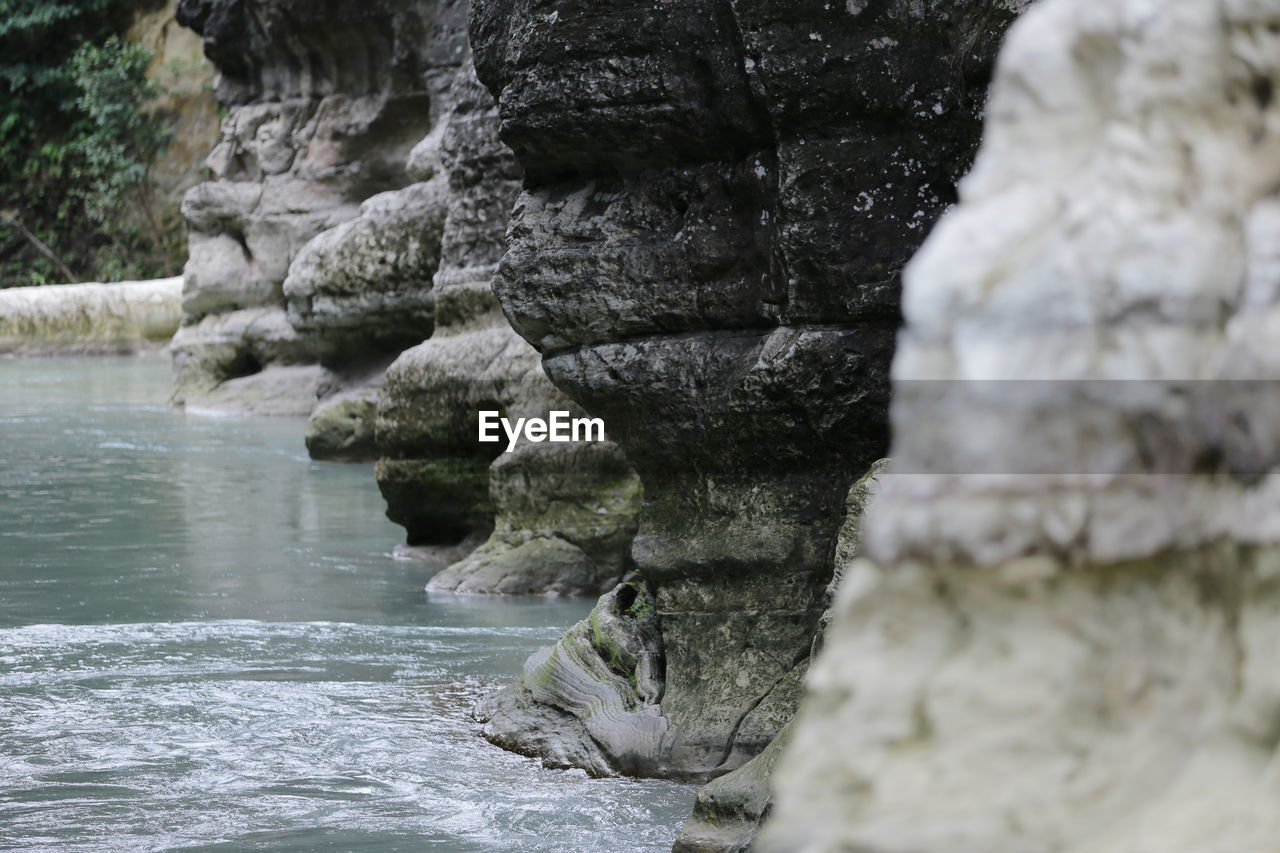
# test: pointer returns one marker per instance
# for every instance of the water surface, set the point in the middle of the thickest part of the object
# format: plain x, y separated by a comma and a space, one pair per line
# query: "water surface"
206, 645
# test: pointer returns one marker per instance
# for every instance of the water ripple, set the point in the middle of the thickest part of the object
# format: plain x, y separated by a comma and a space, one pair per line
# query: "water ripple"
205, 645
281, 736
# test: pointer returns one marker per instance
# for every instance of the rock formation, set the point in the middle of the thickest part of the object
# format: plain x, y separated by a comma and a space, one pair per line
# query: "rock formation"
185, 106
89, 319
685, 257
605, 673
564, 517
434, 472
361, 206
565, 514
325, 103
730, 809
1061, 636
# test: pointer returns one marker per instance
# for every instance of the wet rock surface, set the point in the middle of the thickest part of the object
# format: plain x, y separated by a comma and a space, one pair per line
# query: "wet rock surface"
706, 252
363, 289
1060, 635
730, 809
341, 427
592, 697
433, 471
565, 518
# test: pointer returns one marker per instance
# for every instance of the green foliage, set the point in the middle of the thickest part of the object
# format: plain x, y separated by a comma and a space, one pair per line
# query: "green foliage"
76, 141
642, 607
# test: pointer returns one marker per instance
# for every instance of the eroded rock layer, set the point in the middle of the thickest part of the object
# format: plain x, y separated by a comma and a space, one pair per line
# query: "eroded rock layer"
434, 472
325, 101
730, 809
685, 257
1061, 638
561, 516
361, 204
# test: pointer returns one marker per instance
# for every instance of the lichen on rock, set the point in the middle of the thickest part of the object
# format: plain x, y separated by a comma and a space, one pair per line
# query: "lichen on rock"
593, 699
340, 268
362, 289
341, 427
564, 521
730, 810
561, 518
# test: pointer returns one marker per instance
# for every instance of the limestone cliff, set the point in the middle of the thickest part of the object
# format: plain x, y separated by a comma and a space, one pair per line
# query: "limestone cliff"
730, 809
325, 103
686, 258
186, 106
360, 208
561, 518
1061, 637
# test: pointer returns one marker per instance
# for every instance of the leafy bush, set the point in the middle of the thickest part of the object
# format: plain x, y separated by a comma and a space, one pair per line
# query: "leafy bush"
76, 144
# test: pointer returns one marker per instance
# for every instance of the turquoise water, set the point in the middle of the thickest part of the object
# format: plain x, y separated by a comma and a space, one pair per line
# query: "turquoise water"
206, 645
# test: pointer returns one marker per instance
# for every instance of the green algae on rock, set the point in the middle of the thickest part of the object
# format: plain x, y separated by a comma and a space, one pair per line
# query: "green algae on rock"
594, 695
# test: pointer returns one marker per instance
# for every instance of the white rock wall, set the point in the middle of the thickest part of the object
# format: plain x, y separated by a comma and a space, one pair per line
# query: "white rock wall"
1063, 634
88, 319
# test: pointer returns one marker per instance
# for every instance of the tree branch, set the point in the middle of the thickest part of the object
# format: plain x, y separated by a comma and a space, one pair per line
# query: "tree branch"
11, 218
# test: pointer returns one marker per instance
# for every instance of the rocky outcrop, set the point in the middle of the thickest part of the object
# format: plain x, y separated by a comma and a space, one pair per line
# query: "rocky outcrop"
185, 105
362, 289
341, 427
685, 258
594, 700
1061, 636
558, 518
434, 472
730, 810
221, 363
89, 319
325, 103
564, 521
561, 516
604, 676
360, 208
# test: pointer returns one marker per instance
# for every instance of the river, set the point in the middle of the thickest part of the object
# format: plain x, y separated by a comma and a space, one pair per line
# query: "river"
206, 645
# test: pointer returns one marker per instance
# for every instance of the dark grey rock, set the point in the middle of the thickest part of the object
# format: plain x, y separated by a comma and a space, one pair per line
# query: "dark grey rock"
341, 428
359, 209
730, 809
718, 203
565, 517
562, 517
